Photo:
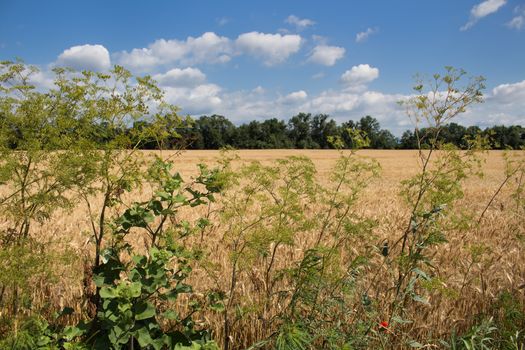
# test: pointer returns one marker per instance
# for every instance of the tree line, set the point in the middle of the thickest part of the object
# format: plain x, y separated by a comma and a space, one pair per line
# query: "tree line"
302, 131
307, 131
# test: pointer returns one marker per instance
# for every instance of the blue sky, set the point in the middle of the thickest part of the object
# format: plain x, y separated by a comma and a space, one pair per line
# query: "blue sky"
260, 59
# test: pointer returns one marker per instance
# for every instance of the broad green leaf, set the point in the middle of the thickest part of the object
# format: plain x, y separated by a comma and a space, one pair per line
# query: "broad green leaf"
135, 289
72, 332
165, 196
143, 337
108, 293
144, 310
179, 198
218, 307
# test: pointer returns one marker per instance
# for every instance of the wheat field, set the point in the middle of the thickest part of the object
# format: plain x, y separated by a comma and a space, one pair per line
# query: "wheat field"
469, 285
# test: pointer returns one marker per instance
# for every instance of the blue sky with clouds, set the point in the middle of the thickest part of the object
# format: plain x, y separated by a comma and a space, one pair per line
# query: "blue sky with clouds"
260, 59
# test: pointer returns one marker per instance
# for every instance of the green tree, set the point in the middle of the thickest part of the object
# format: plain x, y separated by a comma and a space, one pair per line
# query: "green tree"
214, 132
323, 129
370, 126
385, 140
274, 131
299, 130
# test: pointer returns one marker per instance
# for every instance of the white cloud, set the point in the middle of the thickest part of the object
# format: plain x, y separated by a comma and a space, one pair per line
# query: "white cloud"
300, 24
363, 36
181, 77
345, 105
188, 89
195, 100
509, 93
319, 75
517, 21
358, 76
294, 97
90, 57
481, 10
505, 104
207, 48
272, 48
486, 7
326, 55
43, 80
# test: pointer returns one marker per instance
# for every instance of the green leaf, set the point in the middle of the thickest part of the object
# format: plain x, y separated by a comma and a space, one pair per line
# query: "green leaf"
108, 293
99, 280
135, 289
143, 337
170, 315
71, 333
420, 273
144, 310
156, 206
139, 259
172, 295
218, 307
179, 198
183, 288
165, 196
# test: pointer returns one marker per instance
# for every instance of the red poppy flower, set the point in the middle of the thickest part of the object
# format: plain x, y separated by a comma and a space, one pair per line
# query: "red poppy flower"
383, 326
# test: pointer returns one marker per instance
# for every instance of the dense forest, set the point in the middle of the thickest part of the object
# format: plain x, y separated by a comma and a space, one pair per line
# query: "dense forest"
307, 131
302, 131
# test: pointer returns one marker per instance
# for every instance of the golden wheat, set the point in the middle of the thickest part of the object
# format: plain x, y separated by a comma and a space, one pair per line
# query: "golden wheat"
469, 285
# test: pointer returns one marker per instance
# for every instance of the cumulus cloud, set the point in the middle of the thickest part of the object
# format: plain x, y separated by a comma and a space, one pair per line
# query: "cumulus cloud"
326, 55
504, 104
358, 76
210, 48
207, 48
518, 20
271, 48
294, 97
363, 36
181, 77
481, 10
43, 80
300, 24
341, 105
90, 57
509, 93
201, 99
345, 105
188, 89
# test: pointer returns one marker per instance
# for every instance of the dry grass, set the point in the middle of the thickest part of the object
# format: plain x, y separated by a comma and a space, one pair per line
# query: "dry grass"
469, 287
